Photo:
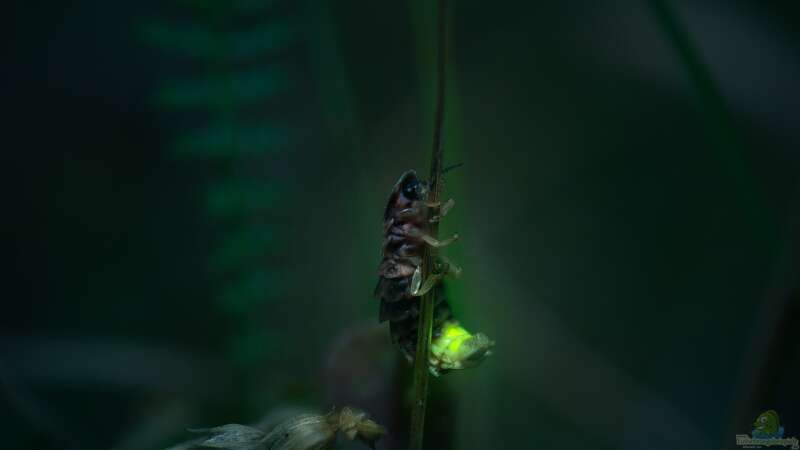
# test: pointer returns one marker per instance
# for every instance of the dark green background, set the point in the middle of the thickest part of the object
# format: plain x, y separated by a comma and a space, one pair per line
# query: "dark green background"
627, 211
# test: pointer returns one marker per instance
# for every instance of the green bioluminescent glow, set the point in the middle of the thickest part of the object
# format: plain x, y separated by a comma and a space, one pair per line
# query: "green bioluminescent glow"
457, 348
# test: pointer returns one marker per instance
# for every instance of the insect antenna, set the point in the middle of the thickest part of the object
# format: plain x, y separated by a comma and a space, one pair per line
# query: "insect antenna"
449, 168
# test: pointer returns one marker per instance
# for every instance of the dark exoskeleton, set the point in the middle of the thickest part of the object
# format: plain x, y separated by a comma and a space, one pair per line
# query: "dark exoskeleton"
407, 219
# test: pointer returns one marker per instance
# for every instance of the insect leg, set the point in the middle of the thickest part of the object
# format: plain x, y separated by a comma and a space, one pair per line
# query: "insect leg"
443, 209
433, 242
447, 267
427, 285
430, 240
408, 213
448, 205
432, 362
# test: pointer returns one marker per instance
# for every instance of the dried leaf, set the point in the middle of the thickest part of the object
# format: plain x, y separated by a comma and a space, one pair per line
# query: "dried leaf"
232, 436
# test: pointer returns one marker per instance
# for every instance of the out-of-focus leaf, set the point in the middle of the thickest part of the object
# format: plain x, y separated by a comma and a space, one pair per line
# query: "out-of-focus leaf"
263, 40
254, 289
243, 140
199, 42
191, 40
242, 246
253, 345
155, 425
240, 7
247, 7
243, 7
231, 45
239, 89
235, 199
232, 436
115, 364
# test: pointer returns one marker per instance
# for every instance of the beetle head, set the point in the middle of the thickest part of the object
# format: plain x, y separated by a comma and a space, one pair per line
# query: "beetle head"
411, 187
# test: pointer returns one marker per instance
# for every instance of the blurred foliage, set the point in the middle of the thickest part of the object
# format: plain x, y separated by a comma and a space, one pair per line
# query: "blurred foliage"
233, 67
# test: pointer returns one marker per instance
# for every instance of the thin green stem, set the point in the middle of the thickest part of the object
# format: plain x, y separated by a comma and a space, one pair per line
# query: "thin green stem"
421, 374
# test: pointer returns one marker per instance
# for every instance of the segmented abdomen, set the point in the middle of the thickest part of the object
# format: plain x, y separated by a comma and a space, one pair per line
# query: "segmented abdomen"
404, 221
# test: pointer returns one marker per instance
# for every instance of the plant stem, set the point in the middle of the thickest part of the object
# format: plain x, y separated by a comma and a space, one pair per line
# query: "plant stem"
421, 374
